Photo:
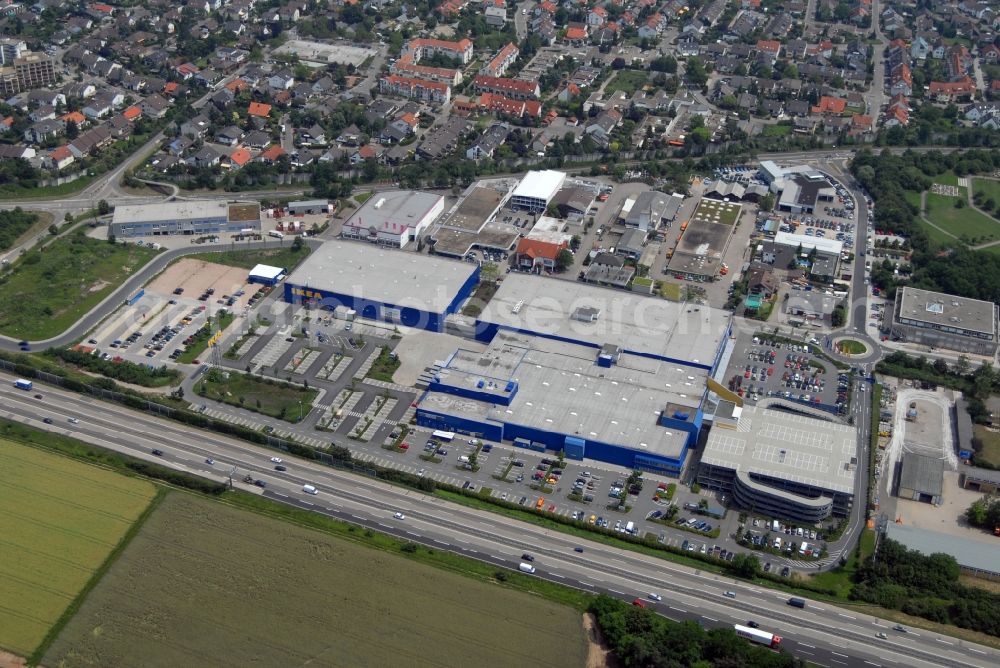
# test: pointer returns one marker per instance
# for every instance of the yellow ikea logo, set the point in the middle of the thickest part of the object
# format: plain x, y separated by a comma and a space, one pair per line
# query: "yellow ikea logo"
311, 294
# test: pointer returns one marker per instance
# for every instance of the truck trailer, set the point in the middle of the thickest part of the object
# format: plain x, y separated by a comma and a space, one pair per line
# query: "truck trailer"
22, 384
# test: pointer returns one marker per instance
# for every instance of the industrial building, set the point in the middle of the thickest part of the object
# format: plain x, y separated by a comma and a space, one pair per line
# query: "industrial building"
985, 481
590, 371
650, 209
594, 402
394, 218
921, 478
688, 335
194, 218
380, 284
975, 558
945, 321
781, 464
536, 190
311, 207
799, 188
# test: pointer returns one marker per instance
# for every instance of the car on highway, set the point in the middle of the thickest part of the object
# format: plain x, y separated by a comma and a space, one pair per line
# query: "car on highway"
260, 483
280, 467
209, 461
73, 421
38, 396
578, 549
730, 594
276, 460
157, 452
47, 420
527, 557
399, 516
752, 624
655, 597
882, 635
900, 628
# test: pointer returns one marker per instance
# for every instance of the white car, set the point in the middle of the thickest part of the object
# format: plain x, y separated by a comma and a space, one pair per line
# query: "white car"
74, 421
655, 597
400, 516
276, 460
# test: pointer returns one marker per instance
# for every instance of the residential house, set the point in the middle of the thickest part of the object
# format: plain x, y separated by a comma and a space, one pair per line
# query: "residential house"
229, 136
496, 17
946, 91
516, 89
601, 126
901, 81
492, 138
196, 126
59, 158
206, 157
257, 139
91, 141
418, 89
154, 106
42, 131
259, 109
538, 255
830, 105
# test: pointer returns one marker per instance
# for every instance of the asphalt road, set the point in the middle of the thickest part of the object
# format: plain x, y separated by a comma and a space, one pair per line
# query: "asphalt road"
821, 633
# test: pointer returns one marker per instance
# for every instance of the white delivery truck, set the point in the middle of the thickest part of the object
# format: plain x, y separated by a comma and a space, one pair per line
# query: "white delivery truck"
526, 568
630, 528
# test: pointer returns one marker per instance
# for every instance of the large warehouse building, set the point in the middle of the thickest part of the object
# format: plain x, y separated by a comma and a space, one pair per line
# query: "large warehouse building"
195, 217
394, 218
945, 321
537, 189
781, 464
594, 372
378, 284
799, 188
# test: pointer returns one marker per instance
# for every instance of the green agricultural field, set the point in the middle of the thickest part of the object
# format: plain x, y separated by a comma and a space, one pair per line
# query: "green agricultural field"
48, 289
234, 588
965, 222
60, 521
627, 81
259, 394
279, 256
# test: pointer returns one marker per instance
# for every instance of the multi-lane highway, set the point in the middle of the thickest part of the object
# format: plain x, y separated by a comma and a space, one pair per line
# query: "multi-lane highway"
820, 633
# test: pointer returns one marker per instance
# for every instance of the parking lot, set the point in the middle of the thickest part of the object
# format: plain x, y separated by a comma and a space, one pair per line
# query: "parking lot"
764, 367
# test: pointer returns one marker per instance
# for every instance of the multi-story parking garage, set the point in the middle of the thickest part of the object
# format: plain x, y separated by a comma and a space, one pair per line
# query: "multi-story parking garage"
781, 464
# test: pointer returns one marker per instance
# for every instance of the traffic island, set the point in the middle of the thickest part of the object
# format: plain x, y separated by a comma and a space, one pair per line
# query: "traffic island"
850, 347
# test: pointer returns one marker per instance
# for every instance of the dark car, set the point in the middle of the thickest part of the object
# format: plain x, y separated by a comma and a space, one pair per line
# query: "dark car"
280, 467
47, 420
158, 453
578, 549
527, 557
752, 624
785, 571
38, 396
260, 483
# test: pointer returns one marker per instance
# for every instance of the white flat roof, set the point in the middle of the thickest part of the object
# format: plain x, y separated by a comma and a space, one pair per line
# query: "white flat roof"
139, 213
636, 323
540, 185
786, 446
809, 242
266, 271
372, 272
395, 211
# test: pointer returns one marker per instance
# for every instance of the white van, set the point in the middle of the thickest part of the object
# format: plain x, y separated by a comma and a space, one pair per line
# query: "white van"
463, 459
309, 489
526, 568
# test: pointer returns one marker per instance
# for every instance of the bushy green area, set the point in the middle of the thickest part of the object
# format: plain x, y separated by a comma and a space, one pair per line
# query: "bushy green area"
48, 289
384, 366
216, 323
985, 513
14, 223
639, 637
925, 586
123, 370
268, 396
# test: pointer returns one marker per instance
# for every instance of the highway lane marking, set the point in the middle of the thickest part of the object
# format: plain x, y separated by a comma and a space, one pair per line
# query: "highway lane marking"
307, 503
978, 651
410, 533
838, 654
284, 496
615, 591
944, 641
848, 616
677, 609
556, 575
805, 645
877, 665
711, 619
387, 526
804, 652
839, 661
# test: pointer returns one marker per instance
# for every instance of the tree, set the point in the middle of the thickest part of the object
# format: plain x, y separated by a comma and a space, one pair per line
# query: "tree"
962, 366
564, 260
746, 565
72, 130
767, 202
103, 208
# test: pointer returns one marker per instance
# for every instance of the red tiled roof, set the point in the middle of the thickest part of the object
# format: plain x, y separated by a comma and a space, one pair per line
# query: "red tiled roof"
962, 87
132, 113
576, 34
536, 248
60, 153
260, 109
830, 105
272, 154
240, 157
769, 45
74, 116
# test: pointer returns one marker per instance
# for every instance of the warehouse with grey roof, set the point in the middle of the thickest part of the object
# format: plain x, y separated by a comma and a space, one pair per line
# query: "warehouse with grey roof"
945, 321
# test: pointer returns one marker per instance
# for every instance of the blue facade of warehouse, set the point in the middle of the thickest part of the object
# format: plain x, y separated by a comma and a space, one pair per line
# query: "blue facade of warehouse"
688, 421
408, 315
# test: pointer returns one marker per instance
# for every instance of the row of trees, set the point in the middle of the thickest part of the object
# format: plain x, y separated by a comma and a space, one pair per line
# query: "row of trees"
14, 223
639, 637
122, 370
926, 586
